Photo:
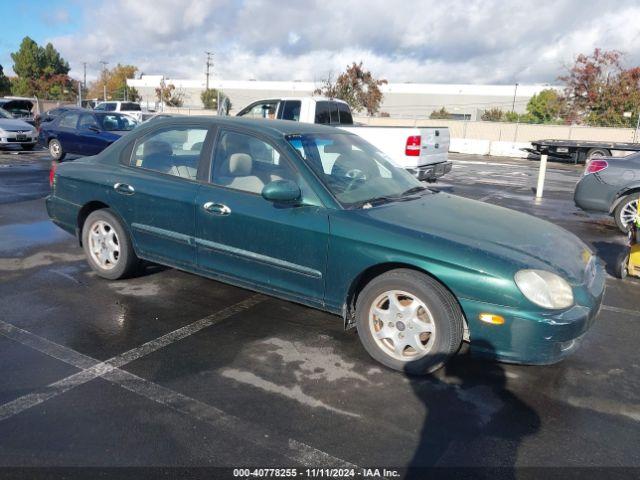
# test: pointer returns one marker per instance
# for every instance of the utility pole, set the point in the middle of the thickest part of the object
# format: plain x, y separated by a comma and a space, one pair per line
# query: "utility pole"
104, 79
84, 81
513, 105
209, 65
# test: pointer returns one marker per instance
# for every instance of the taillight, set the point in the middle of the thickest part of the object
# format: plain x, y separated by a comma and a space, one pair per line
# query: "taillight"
412, 147
595, 166
52, 172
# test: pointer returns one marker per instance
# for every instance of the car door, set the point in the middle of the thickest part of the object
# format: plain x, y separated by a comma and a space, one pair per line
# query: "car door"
242, 236
156, 192
67, 132
89, 135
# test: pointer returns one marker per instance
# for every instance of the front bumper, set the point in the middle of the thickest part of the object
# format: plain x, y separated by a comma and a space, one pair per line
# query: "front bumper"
431, 172
535, 337
16, 138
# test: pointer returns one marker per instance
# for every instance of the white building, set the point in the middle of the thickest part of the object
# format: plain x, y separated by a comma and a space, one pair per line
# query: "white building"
406, 100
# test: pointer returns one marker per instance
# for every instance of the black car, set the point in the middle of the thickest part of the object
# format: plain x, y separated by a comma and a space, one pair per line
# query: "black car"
611, 185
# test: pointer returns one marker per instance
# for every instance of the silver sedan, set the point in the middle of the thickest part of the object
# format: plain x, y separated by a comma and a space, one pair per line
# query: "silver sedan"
16, 132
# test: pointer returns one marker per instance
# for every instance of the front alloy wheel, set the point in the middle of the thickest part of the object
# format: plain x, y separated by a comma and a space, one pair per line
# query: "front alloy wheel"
402, 325
409, 321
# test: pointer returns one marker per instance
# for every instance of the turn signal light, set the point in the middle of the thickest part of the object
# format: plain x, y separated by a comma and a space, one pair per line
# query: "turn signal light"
595, 166
412, 147
491, 318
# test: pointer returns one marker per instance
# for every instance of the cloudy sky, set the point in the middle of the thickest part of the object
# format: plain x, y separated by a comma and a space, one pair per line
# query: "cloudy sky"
441, 41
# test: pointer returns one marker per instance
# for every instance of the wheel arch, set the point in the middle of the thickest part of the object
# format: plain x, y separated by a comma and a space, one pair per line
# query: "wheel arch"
627, 190
373, 271
86, 210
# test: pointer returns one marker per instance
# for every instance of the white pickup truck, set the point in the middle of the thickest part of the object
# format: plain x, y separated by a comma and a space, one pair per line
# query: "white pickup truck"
423, 151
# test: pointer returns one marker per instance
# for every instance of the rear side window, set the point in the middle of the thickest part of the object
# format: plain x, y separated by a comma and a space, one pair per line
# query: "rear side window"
323, 113
345, 114
291, 110
173, 151
130, 107
69, 120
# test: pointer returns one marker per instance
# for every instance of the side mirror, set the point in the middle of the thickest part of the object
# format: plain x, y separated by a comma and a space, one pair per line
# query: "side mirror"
282, 191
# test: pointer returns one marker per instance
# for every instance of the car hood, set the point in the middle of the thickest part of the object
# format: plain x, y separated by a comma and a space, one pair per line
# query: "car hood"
518, 238
14, 124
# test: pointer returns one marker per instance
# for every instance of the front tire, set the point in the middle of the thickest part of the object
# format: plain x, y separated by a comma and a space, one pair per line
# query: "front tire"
409, 322
108, 246
626, 211
55, 150
621, 268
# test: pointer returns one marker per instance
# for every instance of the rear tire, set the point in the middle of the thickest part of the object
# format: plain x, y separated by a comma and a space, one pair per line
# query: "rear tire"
55, 150
597, 152
623, 212
409, 322
107, 245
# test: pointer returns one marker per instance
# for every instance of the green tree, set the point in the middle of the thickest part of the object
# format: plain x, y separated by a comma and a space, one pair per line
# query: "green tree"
209, 98
41, 72
546, 106
441, 114
494, 114
27, 60
52, 63
357, 87
5, 83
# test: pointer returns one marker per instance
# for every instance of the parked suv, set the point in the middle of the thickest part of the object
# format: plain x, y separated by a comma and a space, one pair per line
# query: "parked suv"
132, 109
611, 185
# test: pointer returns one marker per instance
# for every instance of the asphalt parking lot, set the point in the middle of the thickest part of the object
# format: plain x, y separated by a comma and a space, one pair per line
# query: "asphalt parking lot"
170, 369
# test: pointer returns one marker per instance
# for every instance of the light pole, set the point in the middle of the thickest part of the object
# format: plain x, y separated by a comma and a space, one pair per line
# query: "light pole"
104, 79
513, 105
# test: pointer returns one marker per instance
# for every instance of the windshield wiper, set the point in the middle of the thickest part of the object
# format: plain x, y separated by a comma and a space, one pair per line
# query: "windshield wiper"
413, 190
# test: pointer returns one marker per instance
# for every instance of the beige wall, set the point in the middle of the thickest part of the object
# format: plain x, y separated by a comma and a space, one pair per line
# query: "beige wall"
511, 132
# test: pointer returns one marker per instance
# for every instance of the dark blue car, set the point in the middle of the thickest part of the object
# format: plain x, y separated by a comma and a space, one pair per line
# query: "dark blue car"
83, 132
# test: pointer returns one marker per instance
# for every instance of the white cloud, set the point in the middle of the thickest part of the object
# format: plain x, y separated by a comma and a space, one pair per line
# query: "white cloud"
487, 41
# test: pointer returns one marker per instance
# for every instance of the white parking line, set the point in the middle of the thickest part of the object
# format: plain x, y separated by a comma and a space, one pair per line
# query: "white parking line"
635, 313
294, 450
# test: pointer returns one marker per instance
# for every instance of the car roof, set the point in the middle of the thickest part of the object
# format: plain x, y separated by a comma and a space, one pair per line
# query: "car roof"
273, 128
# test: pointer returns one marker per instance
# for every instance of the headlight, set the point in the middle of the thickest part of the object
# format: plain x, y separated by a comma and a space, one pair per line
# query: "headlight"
544, 288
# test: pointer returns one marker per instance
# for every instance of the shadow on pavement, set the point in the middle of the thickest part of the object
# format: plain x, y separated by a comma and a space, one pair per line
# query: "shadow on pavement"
472, 420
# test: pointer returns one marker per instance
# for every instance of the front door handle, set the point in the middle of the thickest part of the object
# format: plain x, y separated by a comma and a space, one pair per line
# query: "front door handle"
124, 188
216, 208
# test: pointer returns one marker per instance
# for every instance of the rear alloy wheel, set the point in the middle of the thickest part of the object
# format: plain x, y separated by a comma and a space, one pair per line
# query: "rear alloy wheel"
408, 321
107, 246
621, 268
626, 211
55, 150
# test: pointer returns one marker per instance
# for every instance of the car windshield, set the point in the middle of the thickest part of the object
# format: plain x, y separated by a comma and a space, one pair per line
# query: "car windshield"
5, 114
114, 122
356, 172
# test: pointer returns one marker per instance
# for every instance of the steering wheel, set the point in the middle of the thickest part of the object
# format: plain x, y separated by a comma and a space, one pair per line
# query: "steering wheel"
355, 174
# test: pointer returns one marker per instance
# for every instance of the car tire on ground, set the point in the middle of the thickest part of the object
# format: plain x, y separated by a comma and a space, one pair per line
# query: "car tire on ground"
55, 149
621, 268
107, 245
597, 152
625, 210
409, 321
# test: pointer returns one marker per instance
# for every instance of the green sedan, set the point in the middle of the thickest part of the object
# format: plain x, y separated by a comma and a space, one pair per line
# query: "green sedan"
318, 216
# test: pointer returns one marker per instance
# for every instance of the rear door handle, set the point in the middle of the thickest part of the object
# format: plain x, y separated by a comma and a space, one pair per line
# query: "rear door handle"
216, 208
124, 188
